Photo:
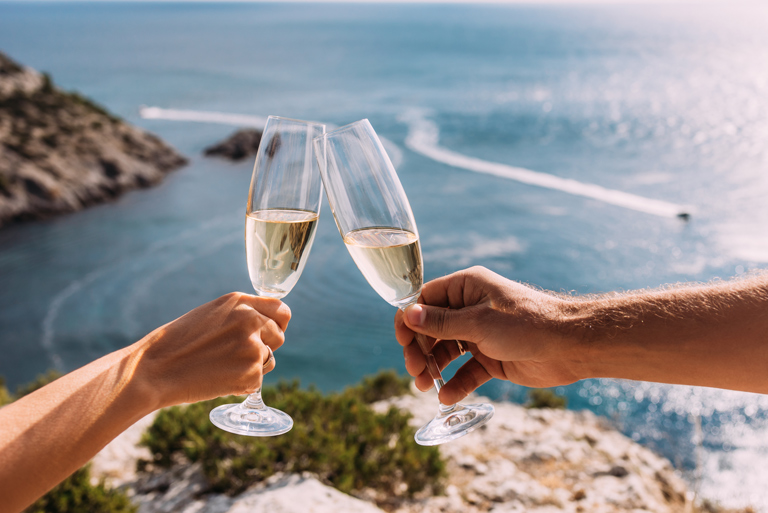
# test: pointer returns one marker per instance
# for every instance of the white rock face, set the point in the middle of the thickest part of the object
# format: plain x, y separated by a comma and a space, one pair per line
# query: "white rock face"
117, 461
297, 494
541, 461
545, 460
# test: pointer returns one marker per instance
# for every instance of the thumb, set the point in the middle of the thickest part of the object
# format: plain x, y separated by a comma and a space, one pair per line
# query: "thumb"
441, 323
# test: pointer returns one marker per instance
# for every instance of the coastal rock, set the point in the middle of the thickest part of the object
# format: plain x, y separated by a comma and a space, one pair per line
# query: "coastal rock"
60, 152
180, 490
240, 145
545, 460
299, 494
117, 461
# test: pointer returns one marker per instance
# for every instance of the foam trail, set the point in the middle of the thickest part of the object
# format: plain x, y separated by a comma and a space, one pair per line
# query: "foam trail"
54, 307
143, 287
223, 118
53, 311
423, 137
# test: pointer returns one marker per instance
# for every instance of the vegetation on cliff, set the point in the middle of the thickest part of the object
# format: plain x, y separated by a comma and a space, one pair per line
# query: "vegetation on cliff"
336, 436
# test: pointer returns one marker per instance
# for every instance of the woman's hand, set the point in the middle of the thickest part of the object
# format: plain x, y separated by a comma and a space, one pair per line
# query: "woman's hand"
513, 332
216, 349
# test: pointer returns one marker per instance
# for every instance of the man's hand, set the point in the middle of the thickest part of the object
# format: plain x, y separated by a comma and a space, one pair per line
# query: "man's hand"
513, 332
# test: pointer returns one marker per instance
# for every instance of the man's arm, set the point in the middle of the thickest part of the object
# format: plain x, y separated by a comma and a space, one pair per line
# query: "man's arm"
216, 349
712, 335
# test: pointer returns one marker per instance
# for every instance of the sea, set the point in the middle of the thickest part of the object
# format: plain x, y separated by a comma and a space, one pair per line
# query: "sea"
554, 144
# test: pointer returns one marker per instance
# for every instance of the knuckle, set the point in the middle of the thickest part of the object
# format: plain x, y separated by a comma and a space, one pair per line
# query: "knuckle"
440, 320
478, 270
233, 296
254, 347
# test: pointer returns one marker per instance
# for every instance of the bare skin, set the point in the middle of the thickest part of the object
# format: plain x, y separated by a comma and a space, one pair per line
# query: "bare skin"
713, 335
214, 350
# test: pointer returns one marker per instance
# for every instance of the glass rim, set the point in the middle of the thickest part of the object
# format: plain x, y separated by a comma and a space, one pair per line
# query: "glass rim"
344, 128
299, 121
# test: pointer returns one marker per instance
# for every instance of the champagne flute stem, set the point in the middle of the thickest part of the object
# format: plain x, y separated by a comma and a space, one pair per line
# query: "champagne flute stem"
254, 401
434, 371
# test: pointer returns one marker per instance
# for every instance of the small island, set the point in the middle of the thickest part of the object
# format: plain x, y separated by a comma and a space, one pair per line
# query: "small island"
242, 144
60, 152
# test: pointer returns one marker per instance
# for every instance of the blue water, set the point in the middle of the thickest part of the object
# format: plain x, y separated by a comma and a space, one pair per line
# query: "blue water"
669, 103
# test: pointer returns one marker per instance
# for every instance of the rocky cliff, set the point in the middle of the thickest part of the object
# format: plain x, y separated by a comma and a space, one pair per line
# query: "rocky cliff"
60, 152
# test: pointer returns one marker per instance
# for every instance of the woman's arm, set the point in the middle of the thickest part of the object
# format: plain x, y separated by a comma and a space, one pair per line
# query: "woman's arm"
712, 335
214, 350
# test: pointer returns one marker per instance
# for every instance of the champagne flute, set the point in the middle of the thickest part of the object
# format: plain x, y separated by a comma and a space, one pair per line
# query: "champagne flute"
280, 221
375, 220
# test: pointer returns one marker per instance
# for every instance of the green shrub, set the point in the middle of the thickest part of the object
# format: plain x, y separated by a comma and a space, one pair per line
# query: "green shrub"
40, 381
5, 395
545, 398
76, 494
381, 386
336, 436
47, 83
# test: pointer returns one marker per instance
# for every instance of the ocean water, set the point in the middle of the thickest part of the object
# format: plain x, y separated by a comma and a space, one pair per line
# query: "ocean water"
554, 145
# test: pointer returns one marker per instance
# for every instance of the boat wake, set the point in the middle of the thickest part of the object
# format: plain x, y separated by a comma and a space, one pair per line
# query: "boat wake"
424, 135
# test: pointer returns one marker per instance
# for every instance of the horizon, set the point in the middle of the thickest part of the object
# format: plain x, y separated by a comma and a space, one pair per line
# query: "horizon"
464, 2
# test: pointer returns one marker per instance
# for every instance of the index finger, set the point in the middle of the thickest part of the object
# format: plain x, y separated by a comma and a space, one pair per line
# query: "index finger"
447, 292
271, 307
403, 333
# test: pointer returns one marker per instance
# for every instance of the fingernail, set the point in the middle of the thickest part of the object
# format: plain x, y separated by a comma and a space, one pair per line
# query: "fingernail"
416, 315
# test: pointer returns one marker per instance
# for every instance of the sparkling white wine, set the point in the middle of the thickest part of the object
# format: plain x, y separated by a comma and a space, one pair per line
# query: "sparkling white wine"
277, 243
390, 259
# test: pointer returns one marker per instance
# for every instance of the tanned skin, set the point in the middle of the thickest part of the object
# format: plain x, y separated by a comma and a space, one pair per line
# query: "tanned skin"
713, 335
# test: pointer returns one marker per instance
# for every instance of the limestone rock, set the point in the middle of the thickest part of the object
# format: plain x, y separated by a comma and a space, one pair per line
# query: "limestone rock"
117, 461
300, 494
545, 461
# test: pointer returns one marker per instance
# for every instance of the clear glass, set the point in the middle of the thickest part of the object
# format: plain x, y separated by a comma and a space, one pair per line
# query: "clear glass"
280, 222
376, 222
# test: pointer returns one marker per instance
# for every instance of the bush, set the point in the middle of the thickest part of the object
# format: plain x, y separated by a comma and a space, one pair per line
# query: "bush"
336, 436
545, 398
381, 386
77, 494
5, 395
40, 381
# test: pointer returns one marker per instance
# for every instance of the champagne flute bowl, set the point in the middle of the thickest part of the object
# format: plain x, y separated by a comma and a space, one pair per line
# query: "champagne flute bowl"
280, 222
376, 222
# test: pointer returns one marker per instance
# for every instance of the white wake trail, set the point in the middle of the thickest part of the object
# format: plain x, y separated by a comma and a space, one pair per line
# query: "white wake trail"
227, 118
201, 116
48, 326
423, 137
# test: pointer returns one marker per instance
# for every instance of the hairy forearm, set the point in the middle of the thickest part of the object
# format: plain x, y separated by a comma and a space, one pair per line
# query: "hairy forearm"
709, 335
50, 433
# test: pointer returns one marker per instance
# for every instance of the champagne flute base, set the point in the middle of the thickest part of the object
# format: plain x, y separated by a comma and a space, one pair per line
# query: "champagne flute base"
454, 423
242, 420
